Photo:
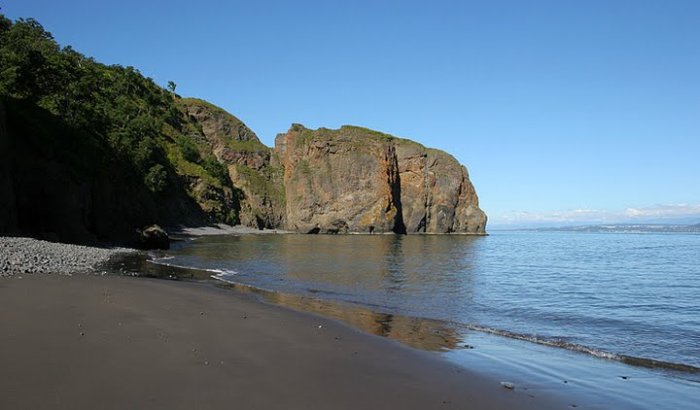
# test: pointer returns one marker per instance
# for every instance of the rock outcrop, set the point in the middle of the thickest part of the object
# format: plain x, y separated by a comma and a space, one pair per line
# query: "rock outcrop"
436, 193
338, 181
251, 165
154, 237
358, 180
313, 181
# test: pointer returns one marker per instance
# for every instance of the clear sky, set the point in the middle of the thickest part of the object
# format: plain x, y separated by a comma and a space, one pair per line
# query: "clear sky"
563, 111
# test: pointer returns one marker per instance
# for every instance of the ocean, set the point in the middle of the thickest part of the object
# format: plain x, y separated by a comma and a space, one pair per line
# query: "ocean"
630, 299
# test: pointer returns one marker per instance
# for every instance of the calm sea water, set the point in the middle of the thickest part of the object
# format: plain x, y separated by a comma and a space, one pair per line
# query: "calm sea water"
636, 295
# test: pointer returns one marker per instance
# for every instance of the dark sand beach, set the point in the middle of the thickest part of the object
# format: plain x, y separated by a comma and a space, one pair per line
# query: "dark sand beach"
87, 341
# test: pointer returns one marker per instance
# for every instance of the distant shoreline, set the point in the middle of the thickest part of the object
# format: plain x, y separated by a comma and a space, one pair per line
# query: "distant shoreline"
611, 228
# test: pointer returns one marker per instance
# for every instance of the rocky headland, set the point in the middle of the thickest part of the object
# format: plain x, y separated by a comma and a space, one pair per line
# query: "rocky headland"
313, 181
358, 180
97, 153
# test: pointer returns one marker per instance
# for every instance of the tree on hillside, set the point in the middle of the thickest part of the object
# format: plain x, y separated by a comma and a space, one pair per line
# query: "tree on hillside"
28, 60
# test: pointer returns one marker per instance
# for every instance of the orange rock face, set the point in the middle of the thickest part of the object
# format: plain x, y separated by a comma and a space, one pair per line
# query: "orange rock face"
358, 180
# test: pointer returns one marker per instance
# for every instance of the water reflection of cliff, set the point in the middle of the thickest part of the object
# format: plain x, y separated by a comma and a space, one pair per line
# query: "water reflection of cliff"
426, 276
415, 275
380, 284
424, 334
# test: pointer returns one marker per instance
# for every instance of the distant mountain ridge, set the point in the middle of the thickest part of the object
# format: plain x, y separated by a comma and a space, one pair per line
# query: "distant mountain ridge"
94, 152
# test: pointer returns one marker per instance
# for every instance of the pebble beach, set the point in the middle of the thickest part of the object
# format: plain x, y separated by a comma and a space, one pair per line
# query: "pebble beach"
27, 255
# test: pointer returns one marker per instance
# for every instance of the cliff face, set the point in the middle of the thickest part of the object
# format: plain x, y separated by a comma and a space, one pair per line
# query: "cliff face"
59, 183
358, 180
95, 152
252, 167
338, 181
436, 193
8, 210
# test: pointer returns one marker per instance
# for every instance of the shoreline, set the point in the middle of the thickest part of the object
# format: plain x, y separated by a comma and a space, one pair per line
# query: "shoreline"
83, 338
563, 379
119, 341
586, 380
447, 332
154, 267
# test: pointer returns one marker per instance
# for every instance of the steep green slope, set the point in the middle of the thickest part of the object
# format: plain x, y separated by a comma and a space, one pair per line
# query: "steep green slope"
97, 151
253, 168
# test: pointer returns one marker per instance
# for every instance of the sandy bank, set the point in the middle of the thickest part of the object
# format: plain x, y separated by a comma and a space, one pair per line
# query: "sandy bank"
119, 342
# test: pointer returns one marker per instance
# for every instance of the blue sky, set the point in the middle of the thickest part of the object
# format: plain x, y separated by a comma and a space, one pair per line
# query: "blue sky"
563, 111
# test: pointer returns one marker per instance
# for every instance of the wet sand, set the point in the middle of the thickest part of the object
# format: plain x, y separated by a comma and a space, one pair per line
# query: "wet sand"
84, 342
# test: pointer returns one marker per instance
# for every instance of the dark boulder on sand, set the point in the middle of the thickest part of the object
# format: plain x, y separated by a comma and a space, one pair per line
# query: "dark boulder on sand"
154, 237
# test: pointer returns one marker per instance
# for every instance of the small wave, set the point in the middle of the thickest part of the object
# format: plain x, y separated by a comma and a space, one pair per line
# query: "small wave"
228, 279
161, 261
220, 271
225, 278
157, 255
631, 360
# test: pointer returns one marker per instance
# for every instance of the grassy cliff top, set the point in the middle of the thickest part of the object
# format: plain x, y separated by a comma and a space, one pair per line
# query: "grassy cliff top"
232, 132
352, 132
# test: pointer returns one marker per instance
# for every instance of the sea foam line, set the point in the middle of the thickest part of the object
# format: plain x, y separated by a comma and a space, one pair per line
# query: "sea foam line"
222, 271
631, 360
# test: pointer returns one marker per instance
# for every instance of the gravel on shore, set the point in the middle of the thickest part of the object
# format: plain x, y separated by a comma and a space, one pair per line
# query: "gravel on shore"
27, 255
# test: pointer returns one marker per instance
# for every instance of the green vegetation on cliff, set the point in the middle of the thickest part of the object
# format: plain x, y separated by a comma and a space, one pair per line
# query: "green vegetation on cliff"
104, 124
234, 134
